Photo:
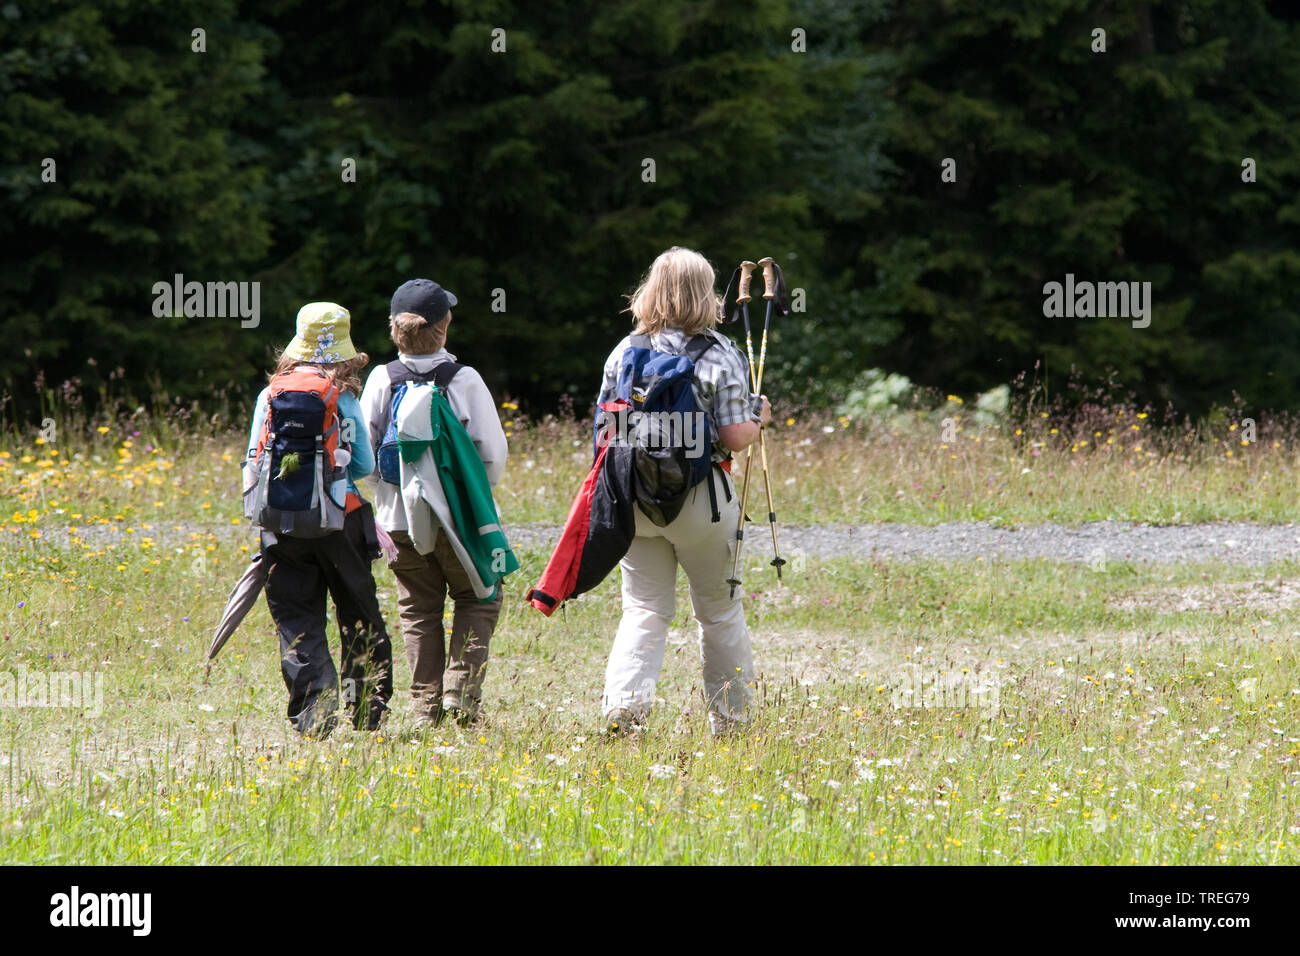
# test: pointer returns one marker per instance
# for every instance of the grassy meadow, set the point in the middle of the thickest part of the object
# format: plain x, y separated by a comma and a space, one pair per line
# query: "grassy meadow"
907, 712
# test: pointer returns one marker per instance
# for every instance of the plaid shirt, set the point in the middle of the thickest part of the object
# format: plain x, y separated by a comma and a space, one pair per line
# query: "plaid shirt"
721, 380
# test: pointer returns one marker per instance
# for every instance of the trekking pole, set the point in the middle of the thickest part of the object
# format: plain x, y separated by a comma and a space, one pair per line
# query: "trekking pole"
769, 293
777, 560
742, 298
734, 580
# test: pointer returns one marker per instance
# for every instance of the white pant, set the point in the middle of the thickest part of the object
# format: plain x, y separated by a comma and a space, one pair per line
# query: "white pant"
705, 551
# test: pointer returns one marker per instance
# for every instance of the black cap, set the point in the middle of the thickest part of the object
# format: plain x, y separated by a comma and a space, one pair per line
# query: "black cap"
423, 297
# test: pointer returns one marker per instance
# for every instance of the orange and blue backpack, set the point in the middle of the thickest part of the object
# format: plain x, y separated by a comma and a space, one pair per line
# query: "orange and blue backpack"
294, 464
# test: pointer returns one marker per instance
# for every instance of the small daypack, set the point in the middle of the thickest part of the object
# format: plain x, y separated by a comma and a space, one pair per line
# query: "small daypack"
670, 435
288, 476
399, 377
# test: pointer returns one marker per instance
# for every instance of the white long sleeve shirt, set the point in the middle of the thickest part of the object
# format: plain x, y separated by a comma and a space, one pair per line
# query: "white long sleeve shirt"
470, 400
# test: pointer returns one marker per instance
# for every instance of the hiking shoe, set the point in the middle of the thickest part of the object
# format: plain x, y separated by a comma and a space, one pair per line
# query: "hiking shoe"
374, 719
321, 729
367, 718
721, 726
464, 712
621, 722
430, 719
466, 718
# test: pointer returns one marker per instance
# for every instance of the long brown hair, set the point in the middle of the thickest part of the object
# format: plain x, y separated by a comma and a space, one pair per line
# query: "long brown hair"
346, 375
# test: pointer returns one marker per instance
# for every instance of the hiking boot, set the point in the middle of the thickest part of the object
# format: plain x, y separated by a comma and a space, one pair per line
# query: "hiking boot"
374, 718
321, 729
430, 719
622, 722
367, 715
466, 718
465, 714
721, 726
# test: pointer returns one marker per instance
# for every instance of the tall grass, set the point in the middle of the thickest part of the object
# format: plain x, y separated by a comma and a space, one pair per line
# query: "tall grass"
1091, 461
1086, 463
1125, 730
1118, 736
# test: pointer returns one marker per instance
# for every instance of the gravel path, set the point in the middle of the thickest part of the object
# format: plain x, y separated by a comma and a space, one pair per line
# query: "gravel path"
1089, 543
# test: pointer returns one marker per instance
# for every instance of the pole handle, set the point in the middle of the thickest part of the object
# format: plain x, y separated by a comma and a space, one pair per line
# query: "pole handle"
769, 276
742, 287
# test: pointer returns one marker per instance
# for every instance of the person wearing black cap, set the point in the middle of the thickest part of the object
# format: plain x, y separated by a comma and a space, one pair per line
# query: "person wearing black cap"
442, 683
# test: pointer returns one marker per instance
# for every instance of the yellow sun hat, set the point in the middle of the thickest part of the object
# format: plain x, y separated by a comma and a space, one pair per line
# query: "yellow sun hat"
324, 334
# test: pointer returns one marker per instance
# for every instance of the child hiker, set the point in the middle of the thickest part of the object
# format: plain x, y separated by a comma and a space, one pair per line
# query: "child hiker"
432, 563
676, 310
307, 445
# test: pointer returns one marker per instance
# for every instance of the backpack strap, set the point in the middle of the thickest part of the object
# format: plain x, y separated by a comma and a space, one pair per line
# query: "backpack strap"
713, 497
264, 433
444, 373
697, 346
399, 373
713, 491
440, 375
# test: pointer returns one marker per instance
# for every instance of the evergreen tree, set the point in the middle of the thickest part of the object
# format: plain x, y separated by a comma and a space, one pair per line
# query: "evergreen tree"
550, 160
535, 158
147, 181
1119, 166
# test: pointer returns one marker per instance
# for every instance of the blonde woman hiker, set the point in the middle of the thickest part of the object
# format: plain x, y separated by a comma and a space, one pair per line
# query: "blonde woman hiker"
676, 310
446, 676
307, 445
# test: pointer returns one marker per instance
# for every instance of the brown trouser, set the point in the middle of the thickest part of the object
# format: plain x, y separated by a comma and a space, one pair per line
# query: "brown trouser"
423, 583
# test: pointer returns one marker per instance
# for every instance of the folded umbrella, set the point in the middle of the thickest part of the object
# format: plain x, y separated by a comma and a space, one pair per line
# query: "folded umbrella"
241, 601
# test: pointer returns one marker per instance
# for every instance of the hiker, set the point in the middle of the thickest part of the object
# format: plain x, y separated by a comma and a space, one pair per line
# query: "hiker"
307, 446
676, 311
412, 506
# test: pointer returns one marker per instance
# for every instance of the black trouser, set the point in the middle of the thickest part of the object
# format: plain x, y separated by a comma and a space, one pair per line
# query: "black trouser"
300, 573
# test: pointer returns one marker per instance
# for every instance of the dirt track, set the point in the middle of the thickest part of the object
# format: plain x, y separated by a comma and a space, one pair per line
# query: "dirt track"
1094, 543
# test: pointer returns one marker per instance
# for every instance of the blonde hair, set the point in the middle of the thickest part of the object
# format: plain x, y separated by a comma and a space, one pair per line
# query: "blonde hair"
346, 375
677, 293
414, 336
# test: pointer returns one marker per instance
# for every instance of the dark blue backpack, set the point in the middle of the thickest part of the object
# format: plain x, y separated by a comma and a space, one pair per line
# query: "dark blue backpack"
669, 434
292, 467
399, 376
